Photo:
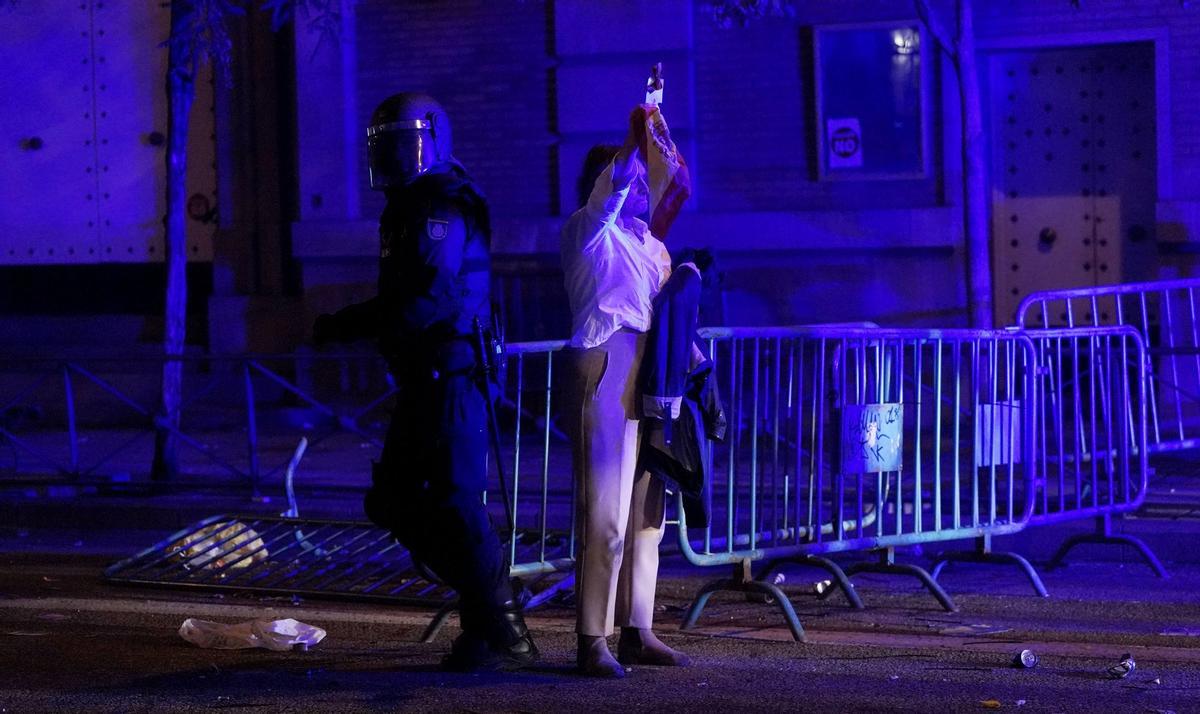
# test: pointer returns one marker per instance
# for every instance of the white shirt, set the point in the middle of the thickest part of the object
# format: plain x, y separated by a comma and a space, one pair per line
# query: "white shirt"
613, 266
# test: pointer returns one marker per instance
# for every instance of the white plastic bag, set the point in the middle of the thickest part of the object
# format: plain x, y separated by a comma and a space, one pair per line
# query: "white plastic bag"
277, 635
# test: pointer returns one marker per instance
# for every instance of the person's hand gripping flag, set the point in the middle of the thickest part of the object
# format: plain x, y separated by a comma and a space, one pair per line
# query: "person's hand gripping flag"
669, 181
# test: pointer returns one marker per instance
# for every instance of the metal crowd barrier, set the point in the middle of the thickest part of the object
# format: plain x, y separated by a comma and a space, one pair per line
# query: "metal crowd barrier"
1092, 447
847, 439
317, 558
282, 556
1165, 315
841, 438
536, 465
240, 418
355, 560
788, 485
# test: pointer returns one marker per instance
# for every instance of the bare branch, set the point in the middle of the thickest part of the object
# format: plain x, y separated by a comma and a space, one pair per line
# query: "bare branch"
727, 13
203, 32
282, 12
324, 17
202, 35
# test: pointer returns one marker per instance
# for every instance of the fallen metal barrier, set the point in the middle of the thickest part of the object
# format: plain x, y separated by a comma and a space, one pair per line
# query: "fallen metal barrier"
351, 560
290, 555
846, 439
310, 558
281, 556
1164, 313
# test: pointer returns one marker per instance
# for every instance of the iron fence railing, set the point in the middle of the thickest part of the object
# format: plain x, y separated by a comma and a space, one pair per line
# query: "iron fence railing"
83, 418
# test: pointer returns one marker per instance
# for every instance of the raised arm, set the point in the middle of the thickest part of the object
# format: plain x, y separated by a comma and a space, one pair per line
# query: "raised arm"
625, 162
611, 170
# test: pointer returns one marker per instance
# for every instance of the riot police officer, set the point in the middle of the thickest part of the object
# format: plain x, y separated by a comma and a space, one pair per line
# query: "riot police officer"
433, 284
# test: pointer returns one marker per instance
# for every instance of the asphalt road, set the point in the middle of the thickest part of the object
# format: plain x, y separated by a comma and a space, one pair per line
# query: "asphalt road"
69, 642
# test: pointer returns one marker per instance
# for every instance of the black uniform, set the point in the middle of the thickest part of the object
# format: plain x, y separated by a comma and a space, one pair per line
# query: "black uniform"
427, 487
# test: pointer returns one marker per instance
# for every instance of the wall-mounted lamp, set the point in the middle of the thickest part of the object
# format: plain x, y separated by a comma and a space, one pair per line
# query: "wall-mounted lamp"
905, 41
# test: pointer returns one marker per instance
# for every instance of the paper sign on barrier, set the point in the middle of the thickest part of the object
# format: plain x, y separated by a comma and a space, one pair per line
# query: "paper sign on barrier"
998, 434
872, 438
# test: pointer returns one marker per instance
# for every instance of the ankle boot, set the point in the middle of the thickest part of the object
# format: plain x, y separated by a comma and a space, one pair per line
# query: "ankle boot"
468, 653
593, 659
639, 645
499, 641
510, 638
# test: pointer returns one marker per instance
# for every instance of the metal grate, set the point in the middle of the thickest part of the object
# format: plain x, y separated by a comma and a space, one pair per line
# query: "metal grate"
345, 560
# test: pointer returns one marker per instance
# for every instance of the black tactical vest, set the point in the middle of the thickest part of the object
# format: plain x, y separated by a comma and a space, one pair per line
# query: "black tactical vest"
421, 310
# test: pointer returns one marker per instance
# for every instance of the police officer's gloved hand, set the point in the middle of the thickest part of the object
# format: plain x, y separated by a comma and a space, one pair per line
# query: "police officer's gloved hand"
324, 330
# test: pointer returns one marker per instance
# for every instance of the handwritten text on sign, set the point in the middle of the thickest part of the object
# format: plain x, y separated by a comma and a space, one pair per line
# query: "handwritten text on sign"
871, 438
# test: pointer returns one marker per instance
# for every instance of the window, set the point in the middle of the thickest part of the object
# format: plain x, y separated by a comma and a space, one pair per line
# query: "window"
871, 105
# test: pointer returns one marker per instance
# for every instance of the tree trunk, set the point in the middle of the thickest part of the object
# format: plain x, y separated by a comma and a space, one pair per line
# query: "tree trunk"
975, 206
181, 91
960, 47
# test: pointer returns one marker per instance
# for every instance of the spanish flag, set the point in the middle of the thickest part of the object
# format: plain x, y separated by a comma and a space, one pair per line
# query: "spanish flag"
669, 182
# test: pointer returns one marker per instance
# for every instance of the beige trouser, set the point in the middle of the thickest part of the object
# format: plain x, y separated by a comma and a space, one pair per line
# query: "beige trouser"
621, 512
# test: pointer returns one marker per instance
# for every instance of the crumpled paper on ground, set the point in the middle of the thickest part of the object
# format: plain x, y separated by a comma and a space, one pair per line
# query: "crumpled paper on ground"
221, 544
277, 635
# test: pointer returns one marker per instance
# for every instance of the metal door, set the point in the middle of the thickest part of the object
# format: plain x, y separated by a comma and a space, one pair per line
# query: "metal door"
47, 165
82, 135
1073, 170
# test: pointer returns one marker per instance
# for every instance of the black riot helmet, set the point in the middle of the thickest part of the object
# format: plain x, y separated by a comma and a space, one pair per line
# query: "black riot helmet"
408, 135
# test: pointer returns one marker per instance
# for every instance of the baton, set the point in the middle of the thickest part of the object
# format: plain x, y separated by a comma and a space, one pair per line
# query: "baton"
485, 372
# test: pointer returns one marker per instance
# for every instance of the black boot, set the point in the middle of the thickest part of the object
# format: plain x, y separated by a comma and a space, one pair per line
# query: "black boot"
498, 642
470, 649
468, 653
510, 638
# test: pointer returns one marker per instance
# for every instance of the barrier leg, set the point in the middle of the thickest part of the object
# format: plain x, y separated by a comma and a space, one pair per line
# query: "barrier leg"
983, 553
743, 582
443, 614
566, 584
439, 619
1105, 536
838, 575
887, 565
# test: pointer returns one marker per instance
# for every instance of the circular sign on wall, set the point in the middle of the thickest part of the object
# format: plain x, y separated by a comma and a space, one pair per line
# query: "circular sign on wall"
844, 140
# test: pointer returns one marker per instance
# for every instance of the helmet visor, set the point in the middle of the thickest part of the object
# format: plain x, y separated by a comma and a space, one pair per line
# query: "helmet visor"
399, 151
